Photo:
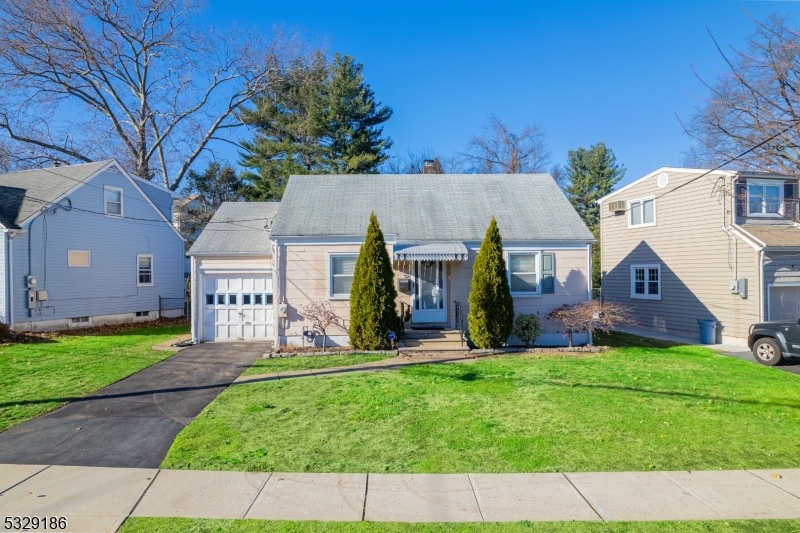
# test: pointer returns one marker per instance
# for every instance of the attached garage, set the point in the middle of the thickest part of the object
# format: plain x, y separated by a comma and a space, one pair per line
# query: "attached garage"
231, 271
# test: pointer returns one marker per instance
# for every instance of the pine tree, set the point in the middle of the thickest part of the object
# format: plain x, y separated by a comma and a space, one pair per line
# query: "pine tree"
372, 298
319, 117
592, 174
491, 309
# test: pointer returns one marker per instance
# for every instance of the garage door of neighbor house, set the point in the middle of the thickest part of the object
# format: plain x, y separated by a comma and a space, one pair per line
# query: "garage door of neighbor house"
784, 302
237, 307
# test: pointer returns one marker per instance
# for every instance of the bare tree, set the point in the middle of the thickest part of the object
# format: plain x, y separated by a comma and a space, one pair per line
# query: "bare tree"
498, 150
84, 80
754, 101
591, 316
322, 315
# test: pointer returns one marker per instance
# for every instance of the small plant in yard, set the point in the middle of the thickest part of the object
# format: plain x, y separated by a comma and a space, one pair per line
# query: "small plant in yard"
322, 315
491, 309
591, 316
527, 327
372, 298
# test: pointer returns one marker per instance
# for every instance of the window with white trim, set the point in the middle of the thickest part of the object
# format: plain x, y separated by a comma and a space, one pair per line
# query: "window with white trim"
113, 201
79, 258
523, 273
144, 267
764, 198
641, 212
646, 282
341, 268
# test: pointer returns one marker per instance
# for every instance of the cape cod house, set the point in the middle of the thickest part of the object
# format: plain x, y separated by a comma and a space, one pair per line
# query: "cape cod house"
305, 250
86, 245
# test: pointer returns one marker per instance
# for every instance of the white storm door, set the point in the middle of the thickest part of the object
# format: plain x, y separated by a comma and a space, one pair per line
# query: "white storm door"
256, 307
429, 293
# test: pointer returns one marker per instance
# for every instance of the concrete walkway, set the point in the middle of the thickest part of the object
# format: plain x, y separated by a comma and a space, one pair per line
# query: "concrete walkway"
133, 422
99, 499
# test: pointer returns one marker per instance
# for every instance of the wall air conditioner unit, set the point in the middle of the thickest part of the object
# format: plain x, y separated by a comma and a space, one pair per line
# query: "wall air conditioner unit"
617, 207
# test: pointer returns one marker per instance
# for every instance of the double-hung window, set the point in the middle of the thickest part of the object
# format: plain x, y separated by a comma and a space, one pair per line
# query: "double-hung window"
113, 201
764, 198
641, 212
144, 267
646, 282
523, 273
341, 268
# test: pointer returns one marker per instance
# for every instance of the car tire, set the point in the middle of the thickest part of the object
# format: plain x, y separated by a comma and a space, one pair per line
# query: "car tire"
767, 352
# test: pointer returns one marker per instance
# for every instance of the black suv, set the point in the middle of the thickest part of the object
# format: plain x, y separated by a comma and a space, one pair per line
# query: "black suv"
772, 341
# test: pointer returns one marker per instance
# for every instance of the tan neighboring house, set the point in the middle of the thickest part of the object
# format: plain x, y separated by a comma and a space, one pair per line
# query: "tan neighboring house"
682, 245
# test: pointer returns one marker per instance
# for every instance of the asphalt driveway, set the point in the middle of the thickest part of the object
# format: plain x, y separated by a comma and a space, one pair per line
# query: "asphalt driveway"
133, 422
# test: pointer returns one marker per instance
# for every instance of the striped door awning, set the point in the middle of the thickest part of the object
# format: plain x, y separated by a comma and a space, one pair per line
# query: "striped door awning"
432, 251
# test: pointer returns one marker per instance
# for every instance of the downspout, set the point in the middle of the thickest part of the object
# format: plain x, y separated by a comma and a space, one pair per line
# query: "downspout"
195, 302
276, 290
761, 285
10, 281
589, 282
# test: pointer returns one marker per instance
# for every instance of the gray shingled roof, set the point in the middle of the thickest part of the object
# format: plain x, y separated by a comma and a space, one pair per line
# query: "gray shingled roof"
237, 227
19, 191
430, 207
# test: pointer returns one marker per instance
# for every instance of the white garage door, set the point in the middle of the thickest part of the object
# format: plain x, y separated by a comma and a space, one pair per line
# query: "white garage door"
237, 307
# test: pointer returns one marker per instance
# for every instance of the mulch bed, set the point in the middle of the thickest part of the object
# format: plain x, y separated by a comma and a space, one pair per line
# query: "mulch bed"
106, 329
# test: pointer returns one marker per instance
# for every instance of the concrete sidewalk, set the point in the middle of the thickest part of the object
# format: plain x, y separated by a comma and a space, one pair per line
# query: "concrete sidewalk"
99, 499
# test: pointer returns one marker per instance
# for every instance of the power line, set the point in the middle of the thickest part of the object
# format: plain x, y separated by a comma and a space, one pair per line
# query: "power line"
718, 167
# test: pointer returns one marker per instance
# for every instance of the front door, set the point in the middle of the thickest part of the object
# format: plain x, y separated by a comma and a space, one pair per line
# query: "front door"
429, 293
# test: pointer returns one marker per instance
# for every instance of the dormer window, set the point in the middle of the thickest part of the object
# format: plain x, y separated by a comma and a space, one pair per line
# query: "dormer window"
764, 198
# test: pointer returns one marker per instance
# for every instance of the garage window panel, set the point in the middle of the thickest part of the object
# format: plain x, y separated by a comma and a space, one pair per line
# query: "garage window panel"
258, 299
233, 299
269, 299
220, 299
209, 299
247, 299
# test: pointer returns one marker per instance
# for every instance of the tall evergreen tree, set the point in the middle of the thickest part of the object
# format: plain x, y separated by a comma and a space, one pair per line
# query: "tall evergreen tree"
372, 298
491, 309
592, 174
320, 117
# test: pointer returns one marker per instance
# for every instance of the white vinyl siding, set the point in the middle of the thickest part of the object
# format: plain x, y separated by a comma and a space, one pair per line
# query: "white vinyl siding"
79, 258
523, 273
764, 198
646, 282
144, 270
641, 212
341, 268
113, 201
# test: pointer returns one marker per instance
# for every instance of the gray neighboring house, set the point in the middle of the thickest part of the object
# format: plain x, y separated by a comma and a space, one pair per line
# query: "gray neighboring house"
231, 274
86, 245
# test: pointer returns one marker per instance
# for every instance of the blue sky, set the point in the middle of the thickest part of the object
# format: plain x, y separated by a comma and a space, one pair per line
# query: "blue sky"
586, 71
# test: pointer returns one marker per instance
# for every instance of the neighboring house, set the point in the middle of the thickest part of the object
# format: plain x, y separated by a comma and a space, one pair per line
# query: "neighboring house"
433, 226
86, 245
184, 218
683, 245
231, 274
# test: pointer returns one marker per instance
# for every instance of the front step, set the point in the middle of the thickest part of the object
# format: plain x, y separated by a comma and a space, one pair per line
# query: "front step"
433, 344
433, 351
432, 334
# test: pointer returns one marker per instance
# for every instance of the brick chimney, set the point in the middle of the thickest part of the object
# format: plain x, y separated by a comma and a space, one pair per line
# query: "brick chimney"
429, 166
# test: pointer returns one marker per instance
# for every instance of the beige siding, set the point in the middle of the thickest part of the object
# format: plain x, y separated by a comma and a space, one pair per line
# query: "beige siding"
305, 278
695, 254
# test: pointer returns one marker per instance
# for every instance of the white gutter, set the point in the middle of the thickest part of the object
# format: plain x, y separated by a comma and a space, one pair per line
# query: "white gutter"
276, 293
591, 270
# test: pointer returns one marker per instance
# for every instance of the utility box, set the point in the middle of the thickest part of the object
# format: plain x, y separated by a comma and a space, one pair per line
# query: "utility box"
31, 299
30, 281
742, 287
42, 296
404, 285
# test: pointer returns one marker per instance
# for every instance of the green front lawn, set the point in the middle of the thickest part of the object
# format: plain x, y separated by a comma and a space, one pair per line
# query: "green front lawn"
629, 408
283, 364
187, 525
38, 377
